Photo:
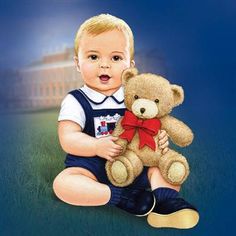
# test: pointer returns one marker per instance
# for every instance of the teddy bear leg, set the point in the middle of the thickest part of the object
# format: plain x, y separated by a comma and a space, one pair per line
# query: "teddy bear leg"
174, 167
124, 170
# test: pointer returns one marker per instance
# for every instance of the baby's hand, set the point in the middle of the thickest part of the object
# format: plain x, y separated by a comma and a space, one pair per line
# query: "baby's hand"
163, 141
106, 148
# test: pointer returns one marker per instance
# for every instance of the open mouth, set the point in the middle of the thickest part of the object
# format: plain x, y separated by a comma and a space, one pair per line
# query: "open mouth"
104, 78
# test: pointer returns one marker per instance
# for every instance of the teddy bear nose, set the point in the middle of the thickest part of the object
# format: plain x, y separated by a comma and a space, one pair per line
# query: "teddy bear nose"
142, 110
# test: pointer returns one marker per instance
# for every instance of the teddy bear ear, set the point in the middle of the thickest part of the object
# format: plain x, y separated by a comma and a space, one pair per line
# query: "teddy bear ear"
178, 94
127, 74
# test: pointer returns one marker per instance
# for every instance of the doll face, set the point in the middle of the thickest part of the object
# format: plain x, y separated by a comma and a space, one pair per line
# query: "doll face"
102, 59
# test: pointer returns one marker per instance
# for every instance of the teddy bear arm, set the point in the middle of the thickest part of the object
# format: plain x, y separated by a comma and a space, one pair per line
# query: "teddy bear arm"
178, 131
117, 131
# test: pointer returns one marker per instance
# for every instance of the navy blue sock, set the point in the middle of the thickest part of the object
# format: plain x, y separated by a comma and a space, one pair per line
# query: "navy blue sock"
115, 195
164, 193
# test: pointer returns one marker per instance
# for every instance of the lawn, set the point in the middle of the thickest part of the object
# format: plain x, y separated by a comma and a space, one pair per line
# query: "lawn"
31, 157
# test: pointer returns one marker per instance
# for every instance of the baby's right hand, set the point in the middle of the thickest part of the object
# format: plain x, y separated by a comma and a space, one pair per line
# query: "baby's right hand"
106, 148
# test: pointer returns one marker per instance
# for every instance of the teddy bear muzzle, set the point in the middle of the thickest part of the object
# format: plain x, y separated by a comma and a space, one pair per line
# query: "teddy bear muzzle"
144, 108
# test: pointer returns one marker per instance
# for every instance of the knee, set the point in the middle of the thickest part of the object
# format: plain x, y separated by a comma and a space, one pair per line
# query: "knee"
153, 170
58, 185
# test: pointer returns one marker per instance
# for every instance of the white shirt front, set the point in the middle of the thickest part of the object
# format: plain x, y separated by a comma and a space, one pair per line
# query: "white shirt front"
72, 110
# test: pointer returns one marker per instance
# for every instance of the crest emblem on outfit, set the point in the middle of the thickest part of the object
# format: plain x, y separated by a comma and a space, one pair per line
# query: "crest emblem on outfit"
104, 125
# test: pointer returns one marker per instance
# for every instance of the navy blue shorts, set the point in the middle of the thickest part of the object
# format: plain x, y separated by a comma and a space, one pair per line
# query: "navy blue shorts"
96, 165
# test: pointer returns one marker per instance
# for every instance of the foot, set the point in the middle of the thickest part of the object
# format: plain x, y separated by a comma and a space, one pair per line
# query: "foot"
137, 202
120, 172
173, 213
176, 172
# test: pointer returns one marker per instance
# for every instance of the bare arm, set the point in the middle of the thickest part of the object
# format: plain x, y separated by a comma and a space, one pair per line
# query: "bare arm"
178, 131
75, 142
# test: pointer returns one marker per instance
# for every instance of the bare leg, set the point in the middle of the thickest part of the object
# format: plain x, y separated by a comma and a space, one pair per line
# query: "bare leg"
157, 181
78, 186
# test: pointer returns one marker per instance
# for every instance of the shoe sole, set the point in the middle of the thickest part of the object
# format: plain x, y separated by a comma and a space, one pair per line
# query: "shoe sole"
150, 209
182, 219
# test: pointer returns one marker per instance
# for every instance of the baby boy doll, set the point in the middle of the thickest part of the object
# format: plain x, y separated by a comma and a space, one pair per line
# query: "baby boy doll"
104, 48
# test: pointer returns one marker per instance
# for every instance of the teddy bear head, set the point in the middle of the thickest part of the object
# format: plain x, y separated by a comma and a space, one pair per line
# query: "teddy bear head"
149, 95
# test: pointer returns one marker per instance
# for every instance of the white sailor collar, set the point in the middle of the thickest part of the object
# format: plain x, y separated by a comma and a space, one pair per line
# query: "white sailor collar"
98, 98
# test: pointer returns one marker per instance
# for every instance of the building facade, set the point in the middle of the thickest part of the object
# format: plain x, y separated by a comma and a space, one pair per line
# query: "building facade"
43, 84
46, 82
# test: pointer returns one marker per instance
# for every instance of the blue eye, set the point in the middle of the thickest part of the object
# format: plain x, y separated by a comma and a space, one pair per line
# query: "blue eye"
93, 57
116, 58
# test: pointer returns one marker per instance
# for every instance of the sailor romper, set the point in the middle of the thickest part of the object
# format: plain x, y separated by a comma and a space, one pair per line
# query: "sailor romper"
99, 123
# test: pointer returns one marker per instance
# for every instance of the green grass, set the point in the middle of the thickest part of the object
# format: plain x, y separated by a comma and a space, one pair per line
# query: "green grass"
31, 157
44, 155
34, 159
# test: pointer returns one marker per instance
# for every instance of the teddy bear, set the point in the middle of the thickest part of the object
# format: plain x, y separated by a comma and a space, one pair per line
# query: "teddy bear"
149, 100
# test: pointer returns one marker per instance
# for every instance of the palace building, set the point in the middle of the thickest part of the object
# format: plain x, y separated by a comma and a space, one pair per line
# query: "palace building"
47, 81
43, 84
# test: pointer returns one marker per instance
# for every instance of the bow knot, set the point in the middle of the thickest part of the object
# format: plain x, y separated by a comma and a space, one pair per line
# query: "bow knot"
146, 129
139, 123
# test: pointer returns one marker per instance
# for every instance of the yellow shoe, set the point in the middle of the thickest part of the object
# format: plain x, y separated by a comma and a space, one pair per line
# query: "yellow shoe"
173, 213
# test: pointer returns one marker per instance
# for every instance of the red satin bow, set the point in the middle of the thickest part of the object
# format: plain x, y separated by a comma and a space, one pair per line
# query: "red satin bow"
146, 129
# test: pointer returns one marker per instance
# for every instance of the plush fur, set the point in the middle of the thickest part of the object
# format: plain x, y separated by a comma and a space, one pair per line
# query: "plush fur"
157, 96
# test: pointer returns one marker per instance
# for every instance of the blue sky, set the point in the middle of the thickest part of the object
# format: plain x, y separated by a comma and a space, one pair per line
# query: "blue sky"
178, 29
195, 39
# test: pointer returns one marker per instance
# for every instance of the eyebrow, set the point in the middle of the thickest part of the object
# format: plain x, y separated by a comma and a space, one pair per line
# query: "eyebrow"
118, 52
91, 51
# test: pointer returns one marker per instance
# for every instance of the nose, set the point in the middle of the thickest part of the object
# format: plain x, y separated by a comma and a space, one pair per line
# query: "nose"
142, 110
104, 64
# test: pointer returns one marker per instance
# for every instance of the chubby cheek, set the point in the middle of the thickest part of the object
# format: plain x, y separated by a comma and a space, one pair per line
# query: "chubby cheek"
119, 70
87, 70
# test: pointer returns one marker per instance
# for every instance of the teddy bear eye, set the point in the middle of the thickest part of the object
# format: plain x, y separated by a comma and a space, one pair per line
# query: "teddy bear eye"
157, 101
136, 96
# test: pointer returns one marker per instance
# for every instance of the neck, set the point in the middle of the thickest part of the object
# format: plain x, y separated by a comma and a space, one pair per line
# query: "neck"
107, 92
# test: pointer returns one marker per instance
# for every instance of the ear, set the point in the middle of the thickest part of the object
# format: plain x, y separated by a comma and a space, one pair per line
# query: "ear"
178, 94
76, 60
127, 74
132, 64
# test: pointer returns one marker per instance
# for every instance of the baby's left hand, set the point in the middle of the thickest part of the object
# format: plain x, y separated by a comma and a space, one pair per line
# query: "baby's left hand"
163, 141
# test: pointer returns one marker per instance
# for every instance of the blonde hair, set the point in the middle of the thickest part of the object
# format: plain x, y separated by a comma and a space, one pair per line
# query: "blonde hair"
103, 23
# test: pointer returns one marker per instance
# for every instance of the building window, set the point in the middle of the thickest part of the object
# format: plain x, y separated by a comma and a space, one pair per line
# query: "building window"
36, 91
41, 91
61, 90
54, 91
47, 91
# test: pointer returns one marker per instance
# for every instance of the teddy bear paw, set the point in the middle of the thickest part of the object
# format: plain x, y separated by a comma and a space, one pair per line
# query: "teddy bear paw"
119, 172
176, 172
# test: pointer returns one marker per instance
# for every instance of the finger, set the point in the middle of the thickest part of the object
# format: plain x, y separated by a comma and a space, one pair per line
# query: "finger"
111, 153
114, 138
165, 150
117, 147
115, 156
117, 152
166, 144
162, 134
114, 153
109, 158
163, 140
